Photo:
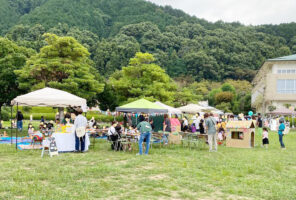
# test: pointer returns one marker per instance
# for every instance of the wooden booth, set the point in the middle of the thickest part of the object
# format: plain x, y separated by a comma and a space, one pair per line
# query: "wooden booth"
240, 134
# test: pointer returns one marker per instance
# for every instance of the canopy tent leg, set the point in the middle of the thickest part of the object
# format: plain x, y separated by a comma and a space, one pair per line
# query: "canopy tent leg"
16, 128
11, 124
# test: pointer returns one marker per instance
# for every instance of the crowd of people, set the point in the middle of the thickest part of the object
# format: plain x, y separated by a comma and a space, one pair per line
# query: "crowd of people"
207, 123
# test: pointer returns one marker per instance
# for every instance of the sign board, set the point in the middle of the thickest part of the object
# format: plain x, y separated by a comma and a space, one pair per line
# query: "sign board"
53, 150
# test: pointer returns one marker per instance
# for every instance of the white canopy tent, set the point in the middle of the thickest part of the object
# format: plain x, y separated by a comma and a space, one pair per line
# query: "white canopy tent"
49, 97
195, 108
171, 110
192, 109
213, 110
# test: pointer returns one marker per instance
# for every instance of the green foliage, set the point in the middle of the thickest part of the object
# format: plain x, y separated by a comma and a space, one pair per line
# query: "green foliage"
212, 96
227, 87
108, 99
143, 78
62, 64
12, 57
226, 107
224, 97
37, 116
5, 113
271, 108
113, 31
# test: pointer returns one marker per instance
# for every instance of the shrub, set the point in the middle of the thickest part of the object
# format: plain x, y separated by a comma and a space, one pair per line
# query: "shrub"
5, 114
37, 116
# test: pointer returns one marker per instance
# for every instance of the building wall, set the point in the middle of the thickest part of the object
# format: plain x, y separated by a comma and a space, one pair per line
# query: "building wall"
267, 85
272, 97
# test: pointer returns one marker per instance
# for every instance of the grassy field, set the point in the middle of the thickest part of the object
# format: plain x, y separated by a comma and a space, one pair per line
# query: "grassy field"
167, 173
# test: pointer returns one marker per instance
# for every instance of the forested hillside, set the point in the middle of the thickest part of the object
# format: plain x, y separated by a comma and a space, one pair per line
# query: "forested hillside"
114, 30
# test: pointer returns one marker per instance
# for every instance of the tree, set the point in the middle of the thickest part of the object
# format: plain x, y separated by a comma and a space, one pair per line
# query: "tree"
12, 57
226, 107
224, 97
108, 99
143, 78
63, 64
226, 87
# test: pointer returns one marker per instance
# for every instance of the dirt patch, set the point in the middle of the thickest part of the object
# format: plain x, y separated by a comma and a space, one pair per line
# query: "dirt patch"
158, 177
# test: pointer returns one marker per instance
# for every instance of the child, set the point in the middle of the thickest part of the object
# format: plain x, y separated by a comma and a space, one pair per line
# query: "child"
265, 140
201, 127
30, 130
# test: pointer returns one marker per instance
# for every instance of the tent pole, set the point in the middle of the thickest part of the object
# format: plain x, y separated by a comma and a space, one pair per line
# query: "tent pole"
16, 129
11, 124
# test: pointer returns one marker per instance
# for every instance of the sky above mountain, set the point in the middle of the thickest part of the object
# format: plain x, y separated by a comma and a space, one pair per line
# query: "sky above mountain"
245, 11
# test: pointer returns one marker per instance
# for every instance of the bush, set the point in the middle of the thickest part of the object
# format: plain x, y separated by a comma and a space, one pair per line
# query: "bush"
37, 116
27, 109
5, 114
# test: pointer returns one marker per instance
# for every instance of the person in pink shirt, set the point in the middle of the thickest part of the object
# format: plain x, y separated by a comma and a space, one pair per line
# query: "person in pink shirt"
265, 140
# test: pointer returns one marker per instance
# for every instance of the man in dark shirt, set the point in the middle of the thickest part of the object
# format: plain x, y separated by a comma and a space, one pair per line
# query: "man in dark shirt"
259, 124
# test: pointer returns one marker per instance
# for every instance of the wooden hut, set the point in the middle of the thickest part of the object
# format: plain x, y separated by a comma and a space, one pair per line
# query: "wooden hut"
240, 134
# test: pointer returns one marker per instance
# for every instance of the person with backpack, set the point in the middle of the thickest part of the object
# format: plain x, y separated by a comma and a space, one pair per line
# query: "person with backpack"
211, 130
80, 124
145, 129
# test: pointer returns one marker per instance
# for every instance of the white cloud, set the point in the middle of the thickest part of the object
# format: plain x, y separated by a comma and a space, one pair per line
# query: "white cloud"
245, 11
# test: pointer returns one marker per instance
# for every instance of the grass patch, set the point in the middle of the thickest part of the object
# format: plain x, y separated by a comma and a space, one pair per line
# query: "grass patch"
167, 173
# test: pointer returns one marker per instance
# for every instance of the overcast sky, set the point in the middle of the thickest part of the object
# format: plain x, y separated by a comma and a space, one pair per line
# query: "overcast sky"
245, 11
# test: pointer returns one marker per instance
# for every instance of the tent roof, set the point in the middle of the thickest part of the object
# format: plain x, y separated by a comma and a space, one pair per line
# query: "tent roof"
49, 97
191, 108
171, 110
212, 110
240, 124
284, 58
142, 105
282, 111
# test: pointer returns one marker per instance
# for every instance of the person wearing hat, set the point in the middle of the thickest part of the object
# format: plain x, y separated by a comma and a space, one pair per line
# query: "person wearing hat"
79, 123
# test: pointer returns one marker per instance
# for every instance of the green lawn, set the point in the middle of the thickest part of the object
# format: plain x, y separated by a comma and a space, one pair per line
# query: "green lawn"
167, 173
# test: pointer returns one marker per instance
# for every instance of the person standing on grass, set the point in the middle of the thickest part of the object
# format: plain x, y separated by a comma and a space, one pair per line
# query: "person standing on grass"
80, 123
166, 128
281, 133
145, 129
259, 124
265, 140
19, 118
211, 130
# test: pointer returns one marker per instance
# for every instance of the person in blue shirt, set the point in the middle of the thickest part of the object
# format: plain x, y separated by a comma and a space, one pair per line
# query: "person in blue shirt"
281, 133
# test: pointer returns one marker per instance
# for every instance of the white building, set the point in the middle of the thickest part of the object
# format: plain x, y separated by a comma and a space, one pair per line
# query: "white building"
275, 84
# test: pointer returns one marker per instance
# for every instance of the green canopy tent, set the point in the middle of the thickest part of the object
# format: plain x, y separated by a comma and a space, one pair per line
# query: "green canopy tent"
141, 106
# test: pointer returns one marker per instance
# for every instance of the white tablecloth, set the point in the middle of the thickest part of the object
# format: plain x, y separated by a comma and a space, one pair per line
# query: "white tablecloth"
66, 141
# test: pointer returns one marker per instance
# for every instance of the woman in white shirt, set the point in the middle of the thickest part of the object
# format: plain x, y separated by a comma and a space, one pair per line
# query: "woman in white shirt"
185, 124
113, 135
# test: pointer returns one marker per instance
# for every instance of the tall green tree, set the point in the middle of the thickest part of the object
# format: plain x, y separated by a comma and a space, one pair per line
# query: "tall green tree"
63, 64
143, 78
12, 57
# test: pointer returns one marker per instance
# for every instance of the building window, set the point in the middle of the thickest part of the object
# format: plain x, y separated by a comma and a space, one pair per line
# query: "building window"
286, 86
286, 71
